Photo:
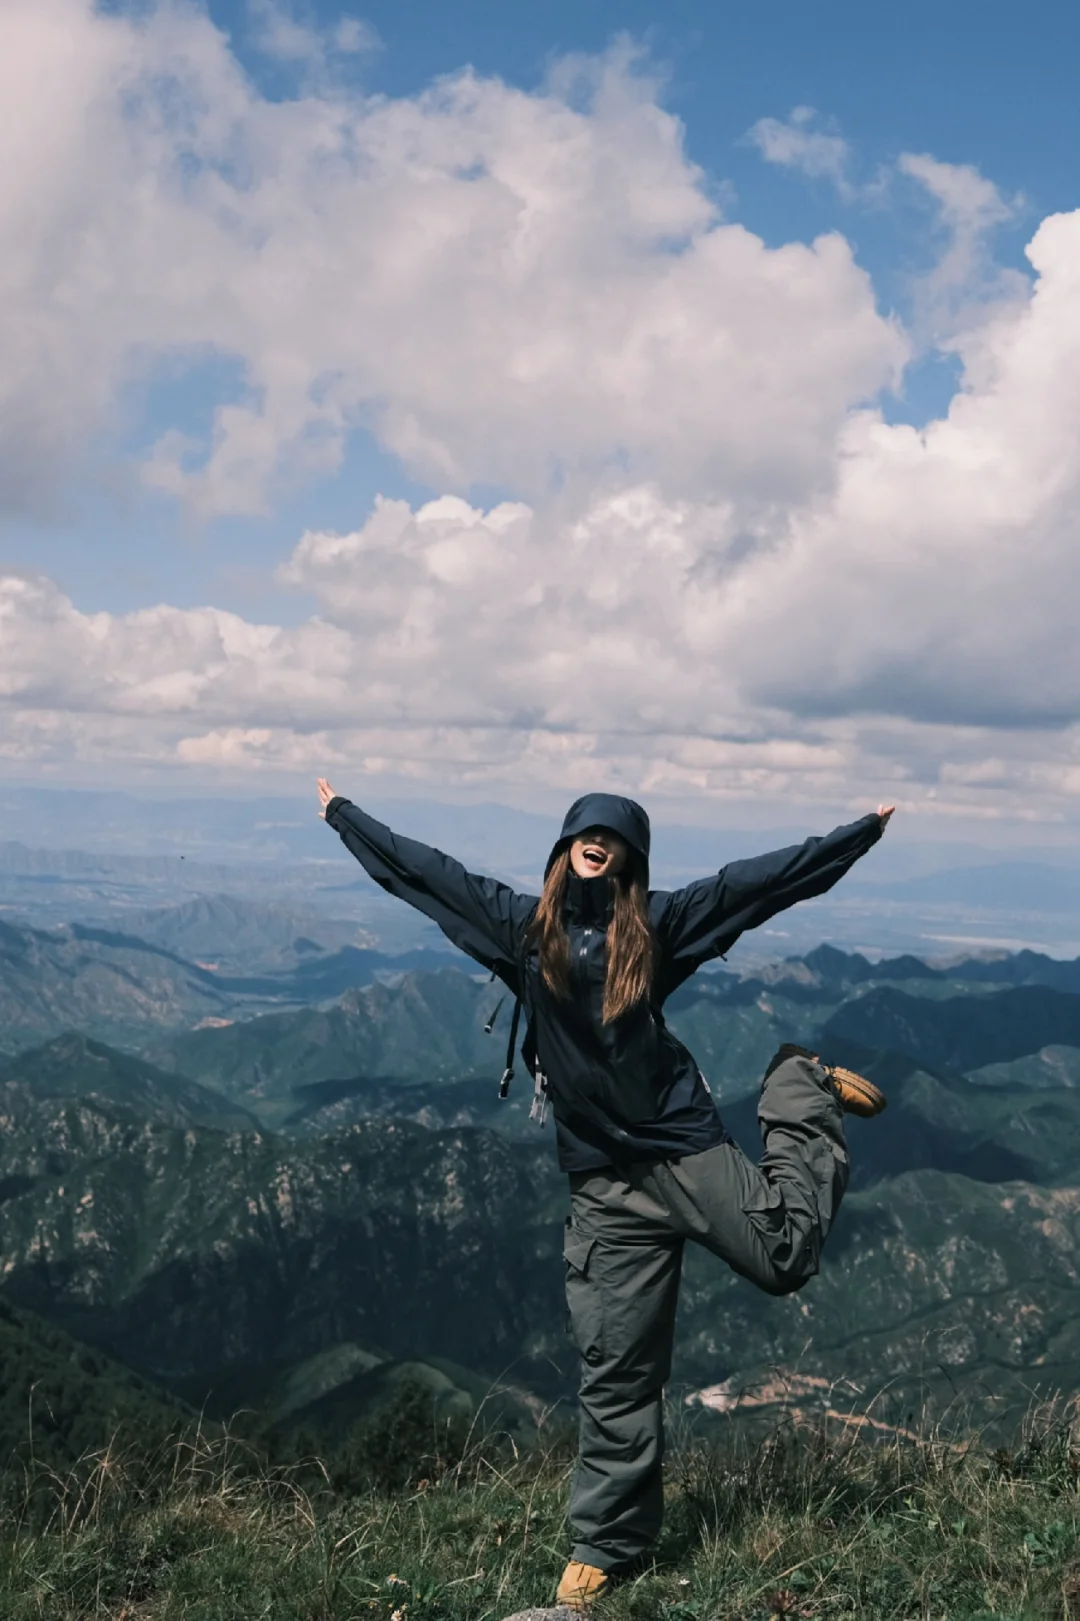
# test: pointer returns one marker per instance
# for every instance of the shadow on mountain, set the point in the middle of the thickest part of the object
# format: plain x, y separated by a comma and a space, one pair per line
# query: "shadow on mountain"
943, 1122
959, 1033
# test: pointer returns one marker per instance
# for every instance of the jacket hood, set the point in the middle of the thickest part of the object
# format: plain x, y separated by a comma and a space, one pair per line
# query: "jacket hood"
622, 816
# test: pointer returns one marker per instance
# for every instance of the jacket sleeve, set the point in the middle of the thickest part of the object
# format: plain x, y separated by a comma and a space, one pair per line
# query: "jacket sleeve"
481, 916
706, 918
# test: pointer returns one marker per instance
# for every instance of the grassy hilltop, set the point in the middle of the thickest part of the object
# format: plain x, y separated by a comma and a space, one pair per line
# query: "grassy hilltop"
119, 1503
805, 1524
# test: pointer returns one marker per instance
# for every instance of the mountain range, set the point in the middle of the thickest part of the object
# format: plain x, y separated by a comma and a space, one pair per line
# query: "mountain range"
290, 1207
121, 988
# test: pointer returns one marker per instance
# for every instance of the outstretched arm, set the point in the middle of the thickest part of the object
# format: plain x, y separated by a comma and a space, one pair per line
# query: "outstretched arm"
483, 917
707, 917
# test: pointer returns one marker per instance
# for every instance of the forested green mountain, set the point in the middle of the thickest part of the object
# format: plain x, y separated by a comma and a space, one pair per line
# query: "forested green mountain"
192, 1255
422, 1027
430, 1027
936, 1120
934, 1290
74, 1067
185, 1252
959, 1032
60, 1400
324, 1106
399, 1217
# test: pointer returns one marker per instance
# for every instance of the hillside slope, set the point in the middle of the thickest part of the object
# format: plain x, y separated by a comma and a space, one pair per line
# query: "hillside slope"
186, 1252
60, 1400
421, 1027
72, 1066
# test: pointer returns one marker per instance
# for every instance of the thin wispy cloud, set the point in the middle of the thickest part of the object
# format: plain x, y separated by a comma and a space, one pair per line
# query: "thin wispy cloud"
798, 143
951, 297
279, 30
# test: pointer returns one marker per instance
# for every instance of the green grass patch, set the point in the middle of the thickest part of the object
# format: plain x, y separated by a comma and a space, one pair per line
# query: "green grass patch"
803, 1523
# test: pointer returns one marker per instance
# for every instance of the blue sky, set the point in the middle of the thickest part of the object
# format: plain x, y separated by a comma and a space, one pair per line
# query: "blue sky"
729, 327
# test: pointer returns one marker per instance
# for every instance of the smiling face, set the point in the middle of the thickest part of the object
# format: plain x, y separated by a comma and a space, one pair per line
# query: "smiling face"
598, 853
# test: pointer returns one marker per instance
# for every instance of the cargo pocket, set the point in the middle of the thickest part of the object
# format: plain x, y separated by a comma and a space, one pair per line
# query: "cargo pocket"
583, 1304
790, 1236
767, 1211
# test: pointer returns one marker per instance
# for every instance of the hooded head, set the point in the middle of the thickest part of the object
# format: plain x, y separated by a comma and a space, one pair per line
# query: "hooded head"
622, 816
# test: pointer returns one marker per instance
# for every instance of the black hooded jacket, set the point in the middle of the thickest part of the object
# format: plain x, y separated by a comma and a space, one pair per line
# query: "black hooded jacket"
627, 1090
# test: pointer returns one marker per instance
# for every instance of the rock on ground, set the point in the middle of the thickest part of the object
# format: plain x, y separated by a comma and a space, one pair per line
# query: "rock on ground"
559, 1613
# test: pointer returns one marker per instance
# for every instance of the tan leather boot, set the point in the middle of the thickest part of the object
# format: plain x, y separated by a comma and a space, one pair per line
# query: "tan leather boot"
857, 1095
854, 1093
582, 1585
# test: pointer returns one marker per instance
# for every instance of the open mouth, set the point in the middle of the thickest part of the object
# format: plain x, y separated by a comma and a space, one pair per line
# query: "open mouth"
595, 857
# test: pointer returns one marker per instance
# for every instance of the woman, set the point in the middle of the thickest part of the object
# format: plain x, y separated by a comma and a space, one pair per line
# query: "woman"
593, 959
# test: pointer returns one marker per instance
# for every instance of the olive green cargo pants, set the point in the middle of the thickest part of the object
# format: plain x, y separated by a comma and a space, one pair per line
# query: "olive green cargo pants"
623, 1250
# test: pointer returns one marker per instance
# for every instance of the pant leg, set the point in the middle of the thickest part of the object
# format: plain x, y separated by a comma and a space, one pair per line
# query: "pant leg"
768, 1221
623, 1263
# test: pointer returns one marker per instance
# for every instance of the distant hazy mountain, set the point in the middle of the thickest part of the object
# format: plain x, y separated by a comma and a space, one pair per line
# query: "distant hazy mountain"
31, 861
251, 942
122, 989
116, 988
241, 936
1019, 968
1027, 886
826, 966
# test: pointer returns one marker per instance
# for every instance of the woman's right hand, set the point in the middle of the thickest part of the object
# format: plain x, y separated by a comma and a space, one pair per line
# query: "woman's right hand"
326, 794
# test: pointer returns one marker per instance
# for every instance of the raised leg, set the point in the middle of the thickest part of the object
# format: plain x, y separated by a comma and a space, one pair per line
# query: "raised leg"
768, 1221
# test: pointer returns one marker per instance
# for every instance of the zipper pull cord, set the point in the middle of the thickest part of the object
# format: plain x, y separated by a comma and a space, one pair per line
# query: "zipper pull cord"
511, 1048
489, 1027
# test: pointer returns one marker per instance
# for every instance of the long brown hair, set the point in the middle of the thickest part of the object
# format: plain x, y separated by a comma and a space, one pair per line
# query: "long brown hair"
630, 944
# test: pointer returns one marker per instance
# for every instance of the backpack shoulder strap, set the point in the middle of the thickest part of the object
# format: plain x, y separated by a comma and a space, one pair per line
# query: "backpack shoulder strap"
515, 1021
511, 1051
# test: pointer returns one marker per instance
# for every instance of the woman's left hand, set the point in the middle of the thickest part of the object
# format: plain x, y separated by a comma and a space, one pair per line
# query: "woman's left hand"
885, 811
326, 794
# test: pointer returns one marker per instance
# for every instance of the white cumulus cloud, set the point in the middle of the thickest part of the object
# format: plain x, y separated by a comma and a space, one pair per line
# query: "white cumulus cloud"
503, 286
721, 569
